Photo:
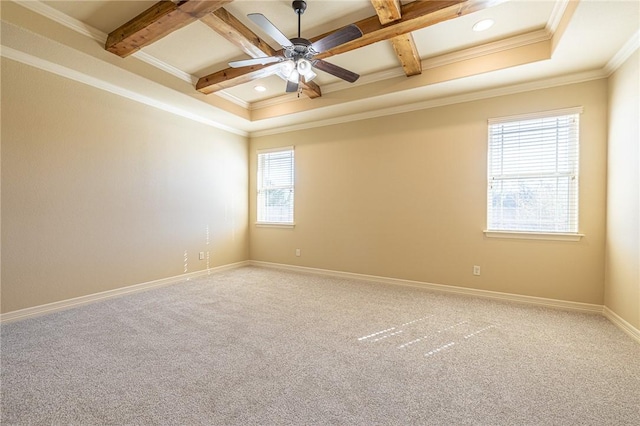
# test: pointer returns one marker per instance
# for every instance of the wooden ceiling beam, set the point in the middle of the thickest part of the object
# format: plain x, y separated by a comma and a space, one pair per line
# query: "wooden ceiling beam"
405, 47
311, 89
407, 53
415, 15
231, 77
387, 10
156, 22
229, 27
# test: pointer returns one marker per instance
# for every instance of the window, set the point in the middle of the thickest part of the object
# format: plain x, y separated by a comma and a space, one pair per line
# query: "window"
275, 186
533, 173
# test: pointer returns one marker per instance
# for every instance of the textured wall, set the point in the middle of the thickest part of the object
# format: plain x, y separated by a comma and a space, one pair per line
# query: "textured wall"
404, 196
100, 192
623, 194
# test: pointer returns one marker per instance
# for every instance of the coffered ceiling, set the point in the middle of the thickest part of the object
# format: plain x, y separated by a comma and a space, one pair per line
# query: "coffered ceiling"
413, 54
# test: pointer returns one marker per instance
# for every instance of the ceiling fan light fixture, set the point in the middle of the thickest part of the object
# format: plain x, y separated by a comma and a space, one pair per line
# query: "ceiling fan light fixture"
310, 76
287, 67
294, 77
483, 25
304, 68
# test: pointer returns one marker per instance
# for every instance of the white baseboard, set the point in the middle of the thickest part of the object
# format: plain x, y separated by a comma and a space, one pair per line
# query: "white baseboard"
531, 300
91, 298
622, 324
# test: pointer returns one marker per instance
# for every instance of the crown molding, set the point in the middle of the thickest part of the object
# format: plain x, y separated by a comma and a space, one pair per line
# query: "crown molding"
434, 103
365, 79
233, 99
555, 18
80, 27
332, 87
428, 63
169, 69
285, 98
536, 36
61, 70
63, 19
487, 49
440, 60
43, 9
623, 54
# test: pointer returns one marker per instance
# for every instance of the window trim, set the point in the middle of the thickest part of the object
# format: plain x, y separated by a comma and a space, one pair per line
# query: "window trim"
275, 225
269, 224
533, 235
522, 235
533, 115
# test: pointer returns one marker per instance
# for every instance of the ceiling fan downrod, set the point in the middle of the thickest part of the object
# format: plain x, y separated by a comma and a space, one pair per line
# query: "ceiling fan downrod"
299, 6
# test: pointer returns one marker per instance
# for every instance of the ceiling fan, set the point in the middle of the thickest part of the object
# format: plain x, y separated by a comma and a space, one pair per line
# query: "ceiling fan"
298, 61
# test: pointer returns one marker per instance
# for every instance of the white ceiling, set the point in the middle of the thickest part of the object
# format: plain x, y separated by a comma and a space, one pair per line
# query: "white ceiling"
531, 41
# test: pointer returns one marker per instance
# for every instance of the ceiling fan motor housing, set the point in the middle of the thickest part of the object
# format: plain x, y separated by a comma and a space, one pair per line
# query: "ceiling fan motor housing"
299, 6
301, 49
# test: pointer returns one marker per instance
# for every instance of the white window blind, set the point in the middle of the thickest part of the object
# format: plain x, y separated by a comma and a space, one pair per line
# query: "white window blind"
276, 186
533, 173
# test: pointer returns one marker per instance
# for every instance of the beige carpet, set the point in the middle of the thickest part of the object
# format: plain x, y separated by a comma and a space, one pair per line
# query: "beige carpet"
260, 346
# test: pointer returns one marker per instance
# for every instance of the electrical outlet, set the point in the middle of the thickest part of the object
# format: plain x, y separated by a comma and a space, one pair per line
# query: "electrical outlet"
298, 252
201, 257
476, 270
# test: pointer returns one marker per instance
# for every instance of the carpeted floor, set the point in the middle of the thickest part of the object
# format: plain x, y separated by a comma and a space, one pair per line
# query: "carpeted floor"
261, 346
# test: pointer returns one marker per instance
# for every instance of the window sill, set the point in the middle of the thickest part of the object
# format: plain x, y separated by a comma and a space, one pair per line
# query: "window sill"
275, 225
549, 236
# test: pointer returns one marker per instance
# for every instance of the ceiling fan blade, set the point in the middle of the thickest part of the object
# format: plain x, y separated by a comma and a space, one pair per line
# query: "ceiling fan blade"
272, 31
343, 35
336, 70
255, 61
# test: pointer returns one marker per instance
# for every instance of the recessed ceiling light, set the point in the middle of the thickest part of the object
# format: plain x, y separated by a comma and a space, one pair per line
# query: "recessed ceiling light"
259, 88
485, 24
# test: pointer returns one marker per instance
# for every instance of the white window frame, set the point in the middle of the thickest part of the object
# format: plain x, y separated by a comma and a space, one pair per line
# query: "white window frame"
264, 187
502, 231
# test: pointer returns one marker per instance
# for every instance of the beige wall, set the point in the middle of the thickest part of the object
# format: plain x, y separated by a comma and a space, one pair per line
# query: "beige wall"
404, 196
622, 283
100, 192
